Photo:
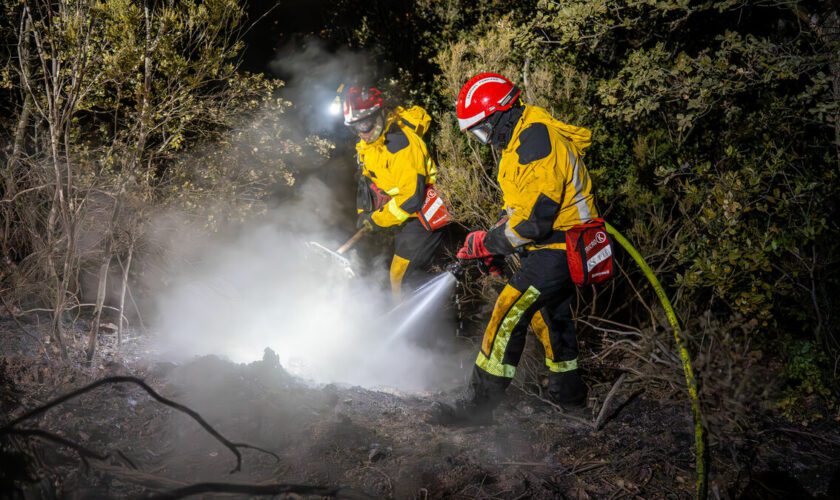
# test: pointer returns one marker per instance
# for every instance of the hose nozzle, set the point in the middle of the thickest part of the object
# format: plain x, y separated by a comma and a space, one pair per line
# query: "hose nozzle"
456, 269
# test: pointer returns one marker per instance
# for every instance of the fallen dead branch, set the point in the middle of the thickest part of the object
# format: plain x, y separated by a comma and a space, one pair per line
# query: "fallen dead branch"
84, 452
180, 489
233, 447
260, 489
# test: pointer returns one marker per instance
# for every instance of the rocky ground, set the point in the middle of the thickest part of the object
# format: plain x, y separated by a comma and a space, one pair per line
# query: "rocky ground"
379, 444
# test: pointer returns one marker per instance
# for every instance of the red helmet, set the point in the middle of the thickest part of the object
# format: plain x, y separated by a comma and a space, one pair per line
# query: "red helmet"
361, 103
483, 95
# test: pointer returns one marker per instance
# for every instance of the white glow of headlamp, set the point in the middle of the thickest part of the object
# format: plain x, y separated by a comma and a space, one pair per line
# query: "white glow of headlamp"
335, 106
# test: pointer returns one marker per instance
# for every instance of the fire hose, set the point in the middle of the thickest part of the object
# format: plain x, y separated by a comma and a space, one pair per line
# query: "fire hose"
701, 486
699, 436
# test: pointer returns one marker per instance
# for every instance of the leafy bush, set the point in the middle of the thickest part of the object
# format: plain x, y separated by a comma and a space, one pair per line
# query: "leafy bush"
716, 133
120, 110
808, 393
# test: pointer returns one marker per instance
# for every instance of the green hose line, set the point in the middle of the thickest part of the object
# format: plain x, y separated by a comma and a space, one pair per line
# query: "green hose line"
691, 382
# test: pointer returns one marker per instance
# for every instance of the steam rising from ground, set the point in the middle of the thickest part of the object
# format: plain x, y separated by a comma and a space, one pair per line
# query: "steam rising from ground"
264, 288
235, 296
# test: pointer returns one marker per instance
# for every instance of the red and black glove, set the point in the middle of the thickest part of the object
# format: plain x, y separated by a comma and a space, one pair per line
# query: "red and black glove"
494, 266
474, 246
380, 197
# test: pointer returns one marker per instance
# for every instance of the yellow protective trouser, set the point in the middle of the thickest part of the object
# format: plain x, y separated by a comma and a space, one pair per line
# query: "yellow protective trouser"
539, 294
415, 248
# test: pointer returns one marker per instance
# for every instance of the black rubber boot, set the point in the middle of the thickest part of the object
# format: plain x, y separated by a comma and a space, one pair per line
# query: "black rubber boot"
464, 412
567, 389
484, 394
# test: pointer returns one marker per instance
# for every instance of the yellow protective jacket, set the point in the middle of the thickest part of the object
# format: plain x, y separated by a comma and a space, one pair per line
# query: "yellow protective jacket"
400, 165
545, 186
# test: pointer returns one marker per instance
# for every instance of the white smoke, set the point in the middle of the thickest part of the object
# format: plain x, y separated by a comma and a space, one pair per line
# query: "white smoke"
313, 73
265, 288
235, 296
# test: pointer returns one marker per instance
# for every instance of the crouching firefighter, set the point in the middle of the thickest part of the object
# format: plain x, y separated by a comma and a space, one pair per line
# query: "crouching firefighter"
396, 177
546, 190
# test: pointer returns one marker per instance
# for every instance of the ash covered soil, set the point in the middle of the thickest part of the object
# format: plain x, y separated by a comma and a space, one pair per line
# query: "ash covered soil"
376, 443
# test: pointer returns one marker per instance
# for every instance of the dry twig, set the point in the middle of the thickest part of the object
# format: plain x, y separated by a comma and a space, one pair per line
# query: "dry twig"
599, 422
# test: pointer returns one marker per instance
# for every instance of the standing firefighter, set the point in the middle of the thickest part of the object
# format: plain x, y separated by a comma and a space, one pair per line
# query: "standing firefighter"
546, 191
395, 177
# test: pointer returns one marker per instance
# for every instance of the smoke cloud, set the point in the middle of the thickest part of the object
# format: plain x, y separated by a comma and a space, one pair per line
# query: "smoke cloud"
266, 288
260, 285
312, 74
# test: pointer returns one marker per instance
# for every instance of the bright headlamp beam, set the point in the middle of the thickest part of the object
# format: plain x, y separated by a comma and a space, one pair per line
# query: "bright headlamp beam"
335, 106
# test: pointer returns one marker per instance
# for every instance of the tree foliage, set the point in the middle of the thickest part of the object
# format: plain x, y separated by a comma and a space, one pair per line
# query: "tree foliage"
121, 110
716, 150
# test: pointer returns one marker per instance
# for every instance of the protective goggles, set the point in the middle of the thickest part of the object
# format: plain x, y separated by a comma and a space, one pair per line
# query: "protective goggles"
364, 125
482, 131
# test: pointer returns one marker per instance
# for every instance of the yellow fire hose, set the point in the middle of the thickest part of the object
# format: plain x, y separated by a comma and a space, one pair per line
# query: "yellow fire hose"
691, 382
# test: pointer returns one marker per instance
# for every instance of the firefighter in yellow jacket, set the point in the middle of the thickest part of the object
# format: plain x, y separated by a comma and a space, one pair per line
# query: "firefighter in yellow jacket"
546, 190
395, 170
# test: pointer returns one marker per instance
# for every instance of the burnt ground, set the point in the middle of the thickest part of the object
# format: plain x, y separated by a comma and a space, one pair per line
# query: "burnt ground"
377, 443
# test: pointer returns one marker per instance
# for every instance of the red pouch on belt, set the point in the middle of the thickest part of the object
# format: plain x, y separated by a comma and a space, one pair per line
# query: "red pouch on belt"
589, 253
434, 214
